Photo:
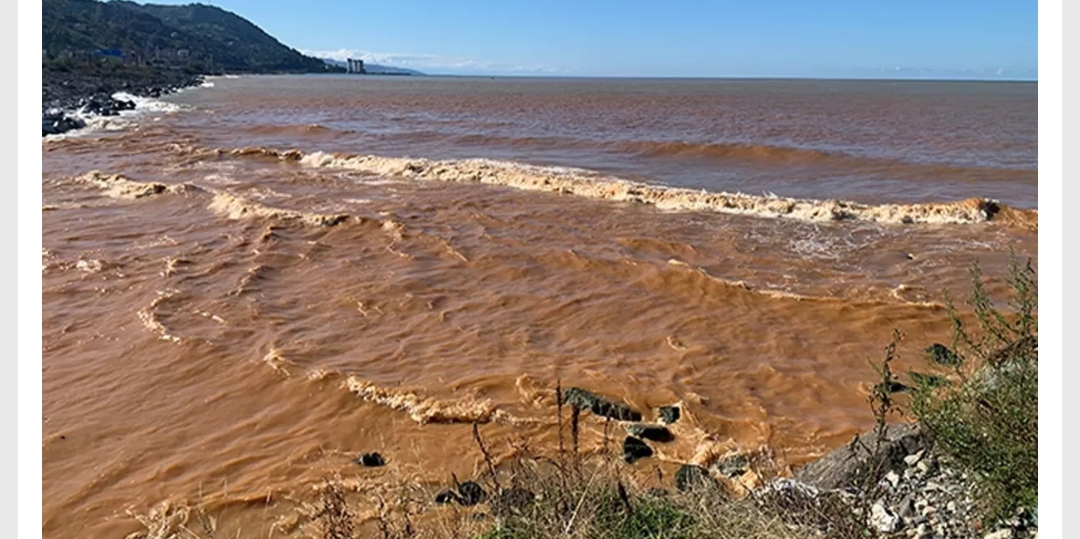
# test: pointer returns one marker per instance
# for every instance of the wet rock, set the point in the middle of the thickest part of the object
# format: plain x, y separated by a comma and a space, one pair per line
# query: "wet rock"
471, 493
587, 400
635, 449
940, 354
854, 465
445, 497
55, 123
370, 460
655, 433
692, 477
669, 414
734, 466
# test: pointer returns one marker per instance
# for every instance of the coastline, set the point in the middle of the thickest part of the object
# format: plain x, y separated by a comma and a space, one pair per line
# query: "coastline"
71, 94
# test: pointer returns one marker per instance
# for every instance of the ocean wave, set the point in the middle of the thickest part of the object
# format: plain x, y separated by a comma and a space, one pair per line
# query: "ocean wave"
593, 185
236, 207
429, 410
122, 187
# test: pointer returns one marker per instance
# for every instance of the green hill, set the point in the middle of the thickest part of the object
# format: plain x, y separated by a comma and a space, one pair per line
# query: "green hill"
175, 36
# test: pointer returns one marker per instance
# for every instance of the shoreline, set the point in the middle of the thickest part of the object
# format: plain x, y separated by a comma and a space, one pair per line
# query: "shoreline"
70, 94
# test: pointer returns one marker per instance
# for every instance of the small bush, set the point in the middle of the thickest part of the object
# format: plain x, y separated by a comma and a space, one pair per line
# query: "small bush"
988, 422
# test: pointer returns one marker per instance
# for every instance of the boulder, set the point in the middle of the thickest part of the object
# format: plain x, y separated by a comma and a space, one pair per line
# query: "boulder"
635, 449
656, 433
864, 461
586, 400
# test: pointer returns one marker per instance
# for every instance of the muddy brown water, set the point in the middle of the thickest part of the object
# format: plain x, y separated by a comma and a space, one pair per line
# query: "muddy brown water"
249, 285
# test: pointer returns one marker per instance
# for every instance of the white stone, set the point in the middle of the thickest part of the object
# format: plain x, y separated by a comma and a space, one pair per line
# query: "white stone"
1000, 534
912, 460
882, 519
893, 478
951, 506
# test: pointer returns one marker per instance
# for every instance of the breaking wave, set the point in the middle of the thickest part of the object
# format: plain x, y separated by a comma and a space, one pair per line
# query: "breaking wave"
593, 185
429, 410
235, 207
122, 187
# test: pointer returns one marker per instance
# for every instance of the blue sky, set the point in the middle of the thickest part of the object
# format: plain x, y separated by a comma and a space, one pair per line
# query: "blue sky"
752, 38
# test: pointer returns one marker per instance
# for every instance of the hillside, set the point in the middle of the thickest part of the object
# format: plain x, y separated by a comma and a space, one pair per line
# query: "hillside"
174, 36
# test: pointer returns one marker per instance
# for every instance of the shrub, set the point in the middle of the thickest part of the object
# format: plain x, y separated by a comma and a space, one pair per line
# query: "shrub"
987, 421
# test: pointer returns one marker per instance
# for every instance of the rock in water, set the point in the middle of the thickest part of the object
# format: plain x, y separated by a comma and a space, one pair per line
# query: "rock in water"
471, 493
635, 449
587, 400
655, 433
370, 460
940, 354
691, 477
669, 414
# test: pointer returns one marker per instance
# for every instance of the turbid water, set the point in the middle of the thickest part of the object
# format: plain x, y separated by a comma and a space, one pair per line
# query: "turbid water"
249, 285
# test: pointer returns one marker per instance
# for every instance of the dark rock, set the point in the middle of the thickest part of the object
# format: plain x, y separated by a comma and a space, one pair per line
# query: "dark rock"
370, 460
862, 462
734, 466
445, 497
57, 123
471, 493
655, 433
928, 380
587, 400
635, 449
940, 354
669, 414
692, 477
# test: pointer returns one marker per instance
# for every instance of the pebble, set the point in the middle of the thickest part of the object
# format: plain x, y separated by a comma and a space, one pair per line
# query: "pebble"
1000, 534
884, 520
893, 478
912, 460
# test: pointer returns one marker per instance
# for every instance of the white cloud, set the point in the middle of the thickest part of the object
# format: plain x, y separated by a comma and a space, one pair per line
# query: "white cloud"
433, 63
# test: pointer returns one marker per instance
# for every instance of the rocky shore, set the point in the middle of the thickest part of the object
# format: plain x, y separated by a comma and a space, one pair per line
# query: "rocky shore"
888, 483
69, 94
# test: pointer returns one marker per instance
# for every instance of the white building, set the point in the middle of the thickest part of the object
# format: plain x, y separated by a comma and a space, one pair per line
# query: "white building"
355, 66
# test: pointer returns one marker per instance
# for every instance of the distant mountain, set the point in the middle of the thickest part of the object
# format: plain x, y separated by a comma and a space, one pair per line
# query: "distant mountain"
376, 69
198, 34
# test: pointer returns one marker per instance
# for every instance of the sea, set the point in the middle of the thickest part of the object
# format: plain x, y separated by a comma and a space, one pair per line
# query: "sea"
248, 284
